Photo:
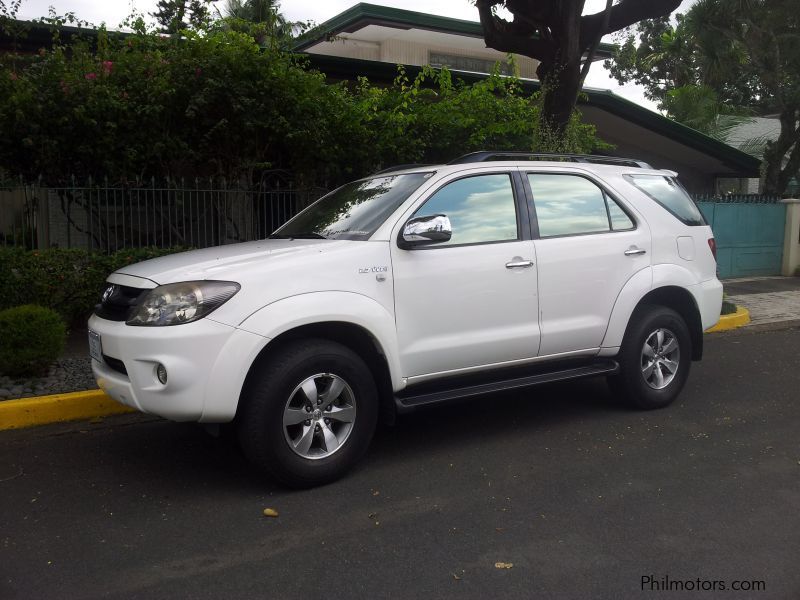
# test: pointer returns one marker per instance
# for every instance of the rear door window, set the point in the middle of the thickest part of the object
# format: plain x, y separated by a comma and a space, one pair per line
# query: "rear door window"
574, 205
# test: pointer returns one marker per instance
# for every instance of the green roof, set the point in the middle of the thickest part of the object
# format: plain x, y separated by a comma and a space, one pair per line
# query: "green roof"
363, 14
37, 35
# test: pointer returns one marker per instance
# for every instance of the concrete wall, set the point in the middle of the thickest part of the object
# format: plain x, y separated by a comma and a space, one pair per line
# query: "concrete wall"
791, 243
12, 203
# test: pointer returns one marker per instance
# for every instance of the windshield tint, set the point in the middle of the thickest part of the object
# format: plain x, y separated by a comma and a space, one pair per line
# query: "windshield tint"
355, 210
669, 194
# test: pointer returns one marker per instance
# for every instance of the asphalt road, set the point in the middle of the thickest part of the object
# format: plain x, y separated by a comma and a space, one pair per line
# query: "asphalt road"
582, 497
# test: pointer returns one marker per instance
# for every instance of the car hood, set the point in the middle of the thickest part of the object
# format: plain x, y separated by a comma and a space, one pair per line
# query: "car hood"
219, 261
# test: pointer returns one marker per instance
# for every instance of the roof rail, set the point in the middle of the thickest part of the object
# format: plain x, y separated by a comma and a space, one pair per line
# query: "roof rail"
485, 156
400, 168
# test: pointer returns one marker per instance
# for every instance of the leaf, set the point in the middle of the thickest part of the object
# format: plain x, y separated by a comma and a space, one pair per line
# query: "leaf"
503, 565
270, 512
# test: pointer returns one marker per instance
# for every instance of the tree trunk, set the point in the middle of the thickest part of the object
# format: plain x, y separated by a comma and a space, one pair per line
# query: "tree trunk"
560, 88
775, 174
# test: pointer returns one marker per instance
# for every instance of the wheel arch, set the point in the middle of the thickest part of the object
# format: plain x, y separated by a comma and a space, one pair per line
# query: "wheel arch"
664, 285
682, 302
352, 336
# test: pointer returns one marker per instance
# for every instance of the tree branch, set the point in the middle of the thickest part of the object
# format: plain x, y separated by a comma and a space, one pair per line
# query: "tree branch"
595, 44
626, 13
500, 35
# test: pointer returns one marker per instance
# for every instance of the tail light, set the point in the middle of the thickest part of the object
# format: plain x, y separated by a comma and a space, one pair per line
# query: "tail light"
713, 245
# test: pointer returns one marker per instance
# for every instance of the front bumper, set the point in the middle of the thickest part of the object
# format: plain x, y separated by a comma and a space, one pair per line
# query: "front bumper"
206, 365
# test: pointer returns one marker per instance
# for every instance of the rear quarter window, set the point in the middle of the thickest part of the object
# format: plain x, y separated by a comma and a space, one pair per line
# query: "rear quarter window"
667, 192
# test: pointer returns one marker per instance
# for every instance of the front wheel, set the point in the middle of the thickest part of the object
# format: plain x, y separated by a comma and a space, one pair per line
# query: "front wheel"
308, 416
655, 358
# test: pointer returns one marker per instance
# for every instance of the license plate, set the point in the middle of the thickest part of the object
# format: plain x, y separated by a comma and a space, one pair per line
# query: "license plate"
95, 346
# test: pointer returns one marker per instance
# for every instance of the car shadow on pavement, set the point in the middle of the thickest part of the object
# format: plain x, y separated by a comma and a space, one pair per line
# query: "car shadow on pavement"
181, 455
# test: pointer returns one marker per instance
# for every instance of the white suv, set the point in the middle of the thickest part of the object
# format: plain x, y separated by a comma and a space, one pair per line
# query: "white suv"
415, 286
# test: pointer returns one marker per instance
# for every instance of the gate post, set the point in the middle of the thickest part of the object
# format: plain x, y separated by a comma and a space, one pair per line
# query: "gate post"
791, 237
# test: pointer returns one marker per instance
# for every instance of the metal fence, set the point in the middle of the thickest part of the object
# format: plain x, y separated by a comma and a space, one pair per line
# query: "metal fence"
200, 213
105, 218
736, 198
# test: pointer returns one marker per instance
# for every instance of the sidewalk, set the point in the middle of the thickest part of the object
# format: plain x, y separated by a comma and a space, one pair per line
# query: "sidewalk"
769, 299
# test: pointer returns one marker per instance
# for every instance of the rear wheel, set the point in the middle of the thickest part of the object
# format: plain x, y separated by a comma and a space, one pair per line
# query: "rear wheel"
655, 358
308, 416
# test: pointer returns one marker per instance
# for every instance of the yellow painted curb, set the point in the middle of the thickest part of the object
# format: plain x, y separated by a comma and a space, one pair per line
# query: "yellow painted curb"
726, 322
27, 412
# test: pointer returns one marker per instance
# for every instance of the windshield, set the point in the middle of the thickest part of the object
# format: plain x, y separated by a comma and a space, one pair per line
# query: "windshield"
355, 210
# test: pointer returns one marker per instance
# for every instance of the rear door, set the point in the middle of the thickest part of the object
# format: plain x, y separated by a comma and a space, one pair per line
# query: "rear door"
588, 245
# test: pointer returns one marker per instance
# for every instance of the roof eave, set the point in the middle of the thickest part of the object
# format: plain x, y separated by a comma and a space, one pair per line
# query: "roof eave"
363, 14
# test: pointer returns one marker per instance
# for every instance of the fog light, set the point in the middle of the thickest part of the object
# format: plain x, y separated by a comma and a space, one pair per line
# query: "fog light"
161, 373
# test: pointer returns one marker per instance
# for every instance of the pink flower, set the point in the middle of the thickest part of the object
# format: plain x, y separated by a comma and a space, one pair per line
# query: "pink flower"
13, 76
91, 76
107, 66
197, 72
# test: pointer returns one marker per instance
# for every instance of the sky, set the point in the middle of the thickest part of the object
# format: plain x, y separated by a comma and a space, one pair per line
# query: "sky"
113, 12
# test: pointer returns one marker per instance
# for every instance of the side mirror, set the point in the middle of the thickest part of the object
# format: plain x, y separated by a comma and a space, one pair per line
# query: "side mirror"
422, 231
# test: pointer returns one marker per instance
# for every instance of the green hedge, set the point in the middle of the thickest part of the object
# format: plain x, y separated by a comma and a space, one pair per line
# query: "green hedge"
67, 280
33, 337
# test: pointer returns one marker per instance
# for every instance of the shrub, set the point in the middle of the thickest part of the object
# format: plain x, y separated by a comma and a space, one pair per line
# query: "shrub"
68, 281
728, 308
33, 337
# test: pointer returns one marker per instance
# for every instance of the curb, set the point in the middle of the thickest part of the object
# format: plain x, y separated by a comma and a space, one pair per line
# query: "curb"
727, 322
41, 410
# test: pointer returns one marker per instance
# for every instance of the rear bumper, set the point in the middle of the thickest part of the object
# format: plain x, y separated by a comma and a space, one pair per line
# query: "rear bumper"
708, 296
206, 365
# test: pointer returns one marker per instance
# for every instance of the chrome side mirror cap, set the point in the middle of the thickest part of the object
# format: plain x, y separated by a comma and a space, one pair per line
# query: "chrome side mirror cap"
422, 231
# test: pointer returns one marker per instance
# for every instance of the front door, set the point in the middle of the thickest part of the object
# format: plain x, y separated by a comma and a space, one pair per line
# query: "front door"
471, 301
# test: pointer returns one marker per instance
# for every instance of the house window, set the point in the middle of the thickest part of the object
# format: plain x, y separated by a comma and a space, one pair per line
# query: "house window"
467, 63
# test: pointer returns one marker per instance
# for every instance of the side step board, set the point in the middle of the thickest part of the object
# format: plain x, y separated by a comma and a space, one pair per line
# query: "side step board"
409, 400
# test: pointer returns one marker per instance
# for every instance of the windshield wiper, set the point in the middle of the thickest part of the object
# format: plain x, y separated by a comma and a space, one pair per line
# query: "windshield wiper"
305, 235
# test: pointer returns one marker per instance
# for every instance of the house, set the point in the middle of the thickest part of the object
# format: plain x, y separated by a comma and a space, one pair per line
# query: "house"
391, 35
370, 40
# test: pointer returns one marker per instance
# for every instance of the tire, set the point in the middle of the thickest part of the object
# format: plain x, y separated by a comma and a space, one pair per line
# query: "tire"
291, 428
654, 359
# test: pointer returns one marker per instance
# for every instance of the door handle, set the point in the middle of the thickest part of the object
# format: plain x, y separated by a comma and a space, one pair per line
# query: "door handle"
519, 264
635, 251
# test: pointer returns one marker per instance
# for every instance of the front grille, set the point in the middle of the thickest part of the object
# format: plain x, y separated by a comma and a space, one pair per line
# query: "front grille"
118, 302
115, 364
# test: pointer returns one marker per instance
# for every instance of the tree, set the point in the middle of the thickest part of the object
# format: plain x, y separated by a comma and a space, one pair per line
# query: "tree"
263, 20
172, 14
725, 57
554, 33
255, 11
216, 103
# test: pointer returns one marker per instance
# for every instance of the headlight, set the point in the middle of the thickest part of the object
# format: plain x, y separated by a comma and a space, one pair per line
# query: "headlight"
178, 303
